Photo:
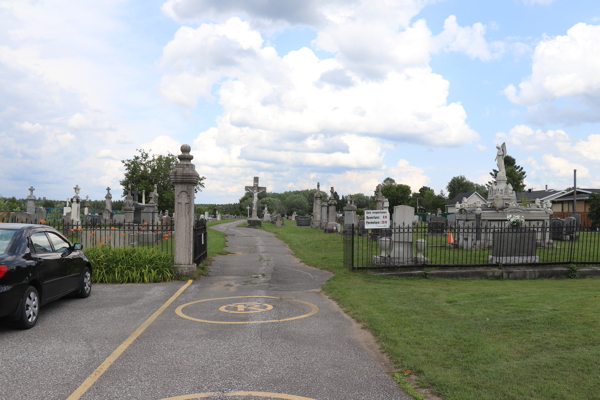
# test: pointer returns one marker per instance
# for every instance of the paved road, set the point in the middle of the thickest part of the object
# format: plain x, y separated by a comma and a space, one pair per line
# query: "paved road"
257, 328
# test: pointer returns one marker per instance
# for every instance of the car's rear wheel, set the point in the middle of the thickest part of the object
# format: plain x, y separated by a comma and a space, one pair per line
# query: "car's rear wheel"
30, 308
85, 284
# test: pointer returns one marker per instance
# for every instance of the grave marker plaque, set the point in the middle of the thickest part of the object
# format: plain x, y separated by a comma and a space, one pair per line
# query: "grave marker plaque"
303, 221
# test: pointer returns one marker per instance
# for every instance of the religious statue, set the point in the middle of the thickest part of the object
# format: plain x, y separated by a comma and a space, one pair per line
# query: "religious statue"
500, 155
255, 190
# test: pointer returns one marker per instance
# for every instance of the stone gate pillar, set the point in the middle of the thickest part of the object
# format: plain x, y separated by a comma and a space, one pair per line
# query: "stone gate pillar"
185, 178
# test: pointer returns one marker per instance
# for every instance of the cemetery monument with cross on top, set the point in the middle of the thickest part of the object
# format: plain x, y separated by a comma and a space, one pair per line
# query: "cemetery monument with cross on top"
255, 190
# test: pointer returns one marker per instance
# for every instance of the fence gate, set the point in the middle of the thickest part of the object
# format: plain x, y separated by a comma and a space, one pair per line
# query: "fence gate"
200, 241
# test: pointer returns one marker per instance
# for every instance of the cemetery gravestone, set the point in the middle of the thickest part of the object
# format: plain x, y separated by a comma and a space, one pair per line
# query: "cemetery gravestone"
317, 209
402, 243
31, 201
324, 217
513, 246
303, 221
437, 226
557, 229
75, 207
332, 225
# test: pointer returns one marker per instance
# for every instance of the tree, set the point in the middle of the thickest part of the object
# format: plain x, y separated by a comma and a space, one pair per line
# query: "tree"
397, 194
515, 175
459, 184
144, 171
389, 181
360, 200
428, 200
297, 203
594, 209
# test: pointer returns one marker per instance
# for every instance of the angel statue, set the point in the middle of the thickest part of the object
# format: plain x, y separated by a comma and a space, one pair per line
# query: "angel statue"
500, 159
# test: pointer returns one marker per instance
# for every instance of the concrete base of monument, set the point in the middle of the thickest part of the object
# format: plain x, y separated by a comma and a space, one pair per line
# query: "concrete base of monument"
332, 227
184, 270
513, 259
254, 222
396, 261
493, 273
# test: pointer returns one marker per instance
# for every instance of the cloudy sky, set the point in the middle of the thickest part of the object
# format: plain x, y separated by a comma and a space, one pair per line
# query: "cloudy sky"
342, 92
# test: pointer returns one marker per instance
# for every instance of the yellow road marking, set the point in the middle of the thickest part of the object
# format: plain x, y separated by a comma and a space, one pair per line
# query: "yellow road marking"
90, 380
179, 311
243, 393
246, 308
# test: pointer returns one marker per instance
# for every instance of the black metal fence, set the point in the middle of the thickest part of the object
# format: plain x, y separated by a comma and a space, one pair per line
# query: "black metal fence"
94, 232
200, 241
423, 245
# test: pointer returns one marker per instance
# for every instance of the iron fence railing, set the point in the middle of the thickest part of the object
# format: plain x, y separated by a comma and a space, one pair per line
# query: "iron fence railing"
425, 245
91, 233
200, 241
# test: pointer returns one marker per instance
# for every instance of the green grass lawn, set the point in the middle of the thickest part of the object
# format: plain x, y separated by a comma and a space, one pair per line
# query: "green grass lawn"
471, 339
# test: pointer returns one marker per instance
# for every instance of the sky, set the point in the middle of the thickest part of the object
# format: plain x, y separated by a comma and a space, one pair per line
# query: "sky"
341, 92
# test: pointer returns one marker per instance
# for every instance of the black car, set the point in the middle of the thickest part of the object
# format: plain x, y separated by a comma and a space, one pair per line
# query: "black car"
38, 265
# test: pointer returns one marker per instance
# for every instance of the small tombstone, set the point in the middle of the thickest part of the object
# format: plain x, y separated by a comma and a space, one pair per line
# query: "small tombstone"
40, 214
278, 221
305, 221
514, 245
437, 225
557, 229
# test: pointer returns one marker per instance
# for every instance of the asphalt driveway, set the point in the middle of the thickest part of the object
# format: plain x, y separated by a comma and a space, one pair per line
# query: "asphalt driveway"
257, 328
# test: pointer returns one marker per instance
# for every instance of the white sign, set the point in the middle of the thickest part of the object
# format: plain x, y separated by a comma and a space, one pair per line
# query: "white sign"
377, 219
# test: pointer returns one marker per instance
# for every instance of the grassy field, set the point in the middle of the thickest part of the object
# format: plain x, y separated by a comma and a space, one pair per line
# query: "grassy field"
470, 339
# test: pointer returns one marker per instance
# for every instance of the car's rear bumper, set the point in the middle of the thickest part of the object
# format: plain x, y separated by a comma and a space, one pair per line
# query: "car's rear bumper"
10, 298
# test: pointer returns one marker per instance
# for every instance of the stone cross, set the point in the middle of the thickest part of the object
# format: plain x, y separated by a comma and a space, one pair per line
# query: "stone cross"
77, 190
255, 190
332, 191
108, 190
31, 189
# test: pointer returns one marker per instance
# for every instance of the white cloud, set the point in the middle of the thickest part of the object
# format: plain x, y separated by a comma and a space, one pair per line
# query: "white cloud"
286, 96
526, 138
29, 127
163, 145
561, 167
590, 148
92, 121
563, 66
469, 40
408, 174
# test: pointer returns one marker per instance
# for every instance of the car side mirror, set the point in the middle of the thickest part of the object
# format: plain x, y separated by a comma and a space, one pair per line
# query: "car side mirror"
78, 246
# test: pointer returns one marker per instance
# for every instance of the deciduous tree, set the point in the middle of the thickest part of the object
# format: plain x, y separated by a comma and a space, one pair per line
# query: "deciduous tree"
144, 171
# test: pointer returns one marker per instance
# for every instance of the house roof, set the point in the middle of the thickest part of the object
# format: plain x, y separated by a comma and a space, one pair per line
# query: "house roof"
582, 194
540, 194
458, 198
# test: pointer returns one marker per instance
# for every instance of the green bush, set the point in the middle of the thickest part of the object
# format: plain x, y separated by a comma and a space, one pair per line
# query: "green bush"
129, 265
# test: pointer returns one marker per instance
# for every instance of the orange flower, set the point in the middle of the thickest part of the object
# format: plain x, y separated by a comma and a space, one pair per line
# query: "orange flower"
109, 237
101, 242
90, 234
113, 228
145, 223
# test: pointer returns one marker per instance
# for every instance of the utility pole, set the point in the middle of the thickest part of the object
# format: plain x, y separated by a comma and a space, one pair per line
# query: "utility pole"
574, 192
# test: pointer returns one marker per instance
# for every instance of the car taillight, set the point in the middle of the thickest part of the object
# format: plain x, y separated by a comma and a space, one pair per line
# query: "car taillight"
3, 270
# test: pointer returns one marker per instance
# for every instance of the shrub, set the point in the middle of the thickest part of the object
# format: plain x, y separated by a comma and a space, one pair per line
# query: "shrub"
129, 265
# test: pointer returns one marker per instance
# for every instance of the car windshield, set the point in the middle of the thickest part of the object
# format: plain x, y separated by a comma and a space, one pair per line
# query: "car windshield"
6, 236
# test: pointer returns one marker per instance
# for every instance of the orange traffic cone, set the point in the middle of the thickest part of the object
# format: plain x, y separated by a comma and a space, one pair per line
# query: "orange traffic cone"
450, 238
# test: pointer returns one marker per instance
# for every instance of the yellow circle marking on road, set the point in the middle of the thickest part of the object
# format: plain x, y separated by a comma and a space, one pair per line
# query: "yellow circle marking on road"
179, 311
246, 308
244, 393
